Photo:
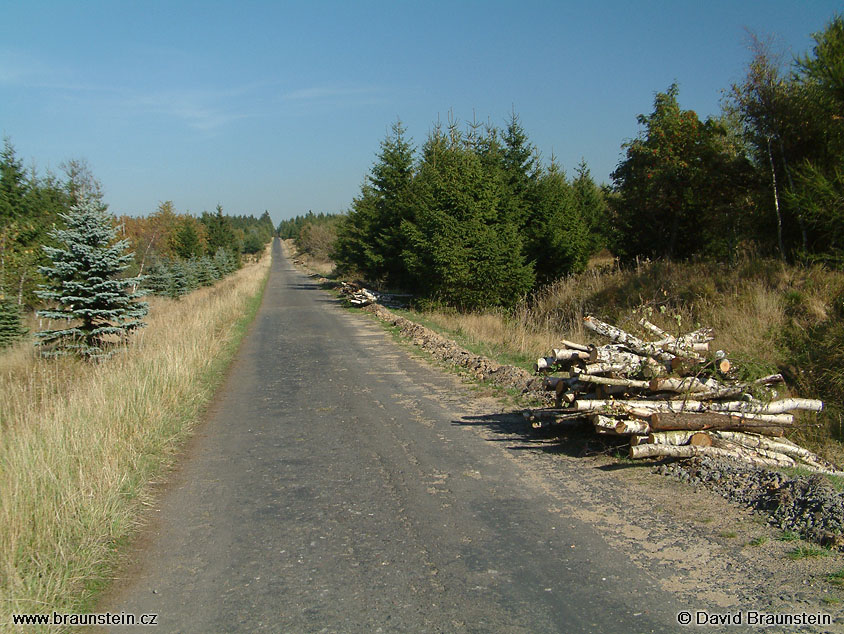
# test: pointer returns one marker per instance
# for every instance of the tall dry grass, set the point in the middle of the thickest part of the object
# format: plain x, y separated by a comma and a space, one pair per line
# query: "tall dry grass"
767, 315
80, 443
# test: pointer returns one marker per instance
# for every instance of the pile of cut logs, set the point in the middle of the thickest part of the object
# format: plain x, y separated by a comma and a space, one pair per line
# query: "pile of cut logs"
357, 295
672, 398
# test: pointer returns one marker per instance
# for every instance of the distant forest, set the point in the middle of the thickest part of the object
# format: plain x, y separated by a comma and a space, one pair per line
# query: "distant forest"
476, 218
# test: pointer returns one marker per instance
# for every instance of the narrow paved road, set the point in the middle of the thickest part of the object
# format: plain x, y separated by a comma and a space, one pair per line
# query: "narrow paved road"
335, 489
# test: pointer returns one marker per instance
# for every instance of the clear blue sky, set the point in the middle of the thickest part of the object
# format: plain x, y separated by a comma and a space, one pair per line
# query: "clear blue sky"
282, 105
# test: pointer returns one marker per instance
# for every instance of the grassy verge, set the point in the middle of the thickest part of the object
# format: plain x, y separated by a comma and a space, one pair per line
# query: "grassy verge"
80, 443
496, 345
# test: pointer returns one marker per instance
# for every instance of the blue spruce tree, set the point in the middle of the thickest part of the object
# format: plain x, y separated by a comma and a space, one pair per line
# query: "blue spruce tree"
85, 289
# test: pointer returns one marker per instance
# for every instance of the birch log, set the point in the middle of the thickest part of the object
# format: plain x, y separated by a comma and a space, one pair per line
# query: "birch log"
560, 356
604, 368
743, 408
673, 384
544, 364
614, 354
563, 355
771, 379
725, 392
603, 424
554, 383
602, 380
676, 438
575, 346
771, 407
701, 335
688, 451
701, 439
625, 338
628, 427
668, 421
670, 343
608, 391
780, 445
656, 330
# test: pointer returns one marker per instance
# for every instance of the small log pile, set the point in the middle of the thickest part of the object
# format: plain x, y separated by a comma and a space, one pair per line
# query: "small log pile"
359, 296
672, 398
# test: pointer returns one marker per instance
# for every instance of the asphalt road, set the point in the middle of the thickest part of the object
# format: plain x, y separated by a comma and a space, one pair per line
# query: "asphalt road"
335, 488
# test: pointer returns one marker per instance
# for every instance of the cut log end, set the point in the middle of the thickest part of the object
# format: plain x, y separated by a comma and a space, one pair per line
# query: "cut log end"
700, 439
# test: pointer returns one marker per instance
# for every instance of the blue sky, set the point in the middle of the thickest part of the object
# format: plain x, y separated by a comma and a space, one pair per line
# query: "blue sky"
282, 105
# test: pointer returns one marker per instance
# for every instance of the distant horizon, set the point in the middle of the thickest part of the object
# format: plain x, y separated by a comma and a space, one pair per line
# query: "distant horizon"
257, 106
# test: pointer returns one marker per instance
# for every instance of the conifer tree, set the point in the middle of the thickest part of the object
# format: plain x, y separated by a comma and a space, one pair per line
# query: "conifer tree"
206, 272
462, 248
561, 239
224, 262
391, 178
354, 250
592, 208
10, 322
371, 241
160, 278
185, 240
85, 287
179, 280
520, 166
13, 185
220, 231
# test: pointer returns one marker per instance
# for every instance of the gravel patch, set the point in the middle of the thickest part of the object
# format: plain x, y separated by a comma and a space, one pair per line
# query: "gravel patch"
807, 505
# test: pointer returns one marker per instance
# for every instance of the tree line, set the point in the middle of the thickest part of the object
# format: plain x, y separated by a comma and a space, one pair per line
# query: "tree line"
476, 218
767, 174
61, 252
179, 252
312, 233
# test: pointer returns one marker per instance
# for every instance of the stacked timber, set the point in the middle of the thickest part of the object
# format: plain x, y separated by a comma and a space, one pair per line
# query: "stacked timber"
672, 398
359, 296
362, 297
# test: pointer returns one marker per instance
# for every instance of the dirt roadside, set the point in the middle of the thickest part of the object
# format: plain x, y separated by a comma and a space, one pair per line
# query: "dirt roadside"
697, 545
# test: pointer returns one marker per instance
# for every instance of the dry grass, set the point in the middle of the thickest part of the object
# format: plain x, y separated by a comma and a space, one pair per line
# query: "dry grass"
748, 308
80, 443
768, 316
